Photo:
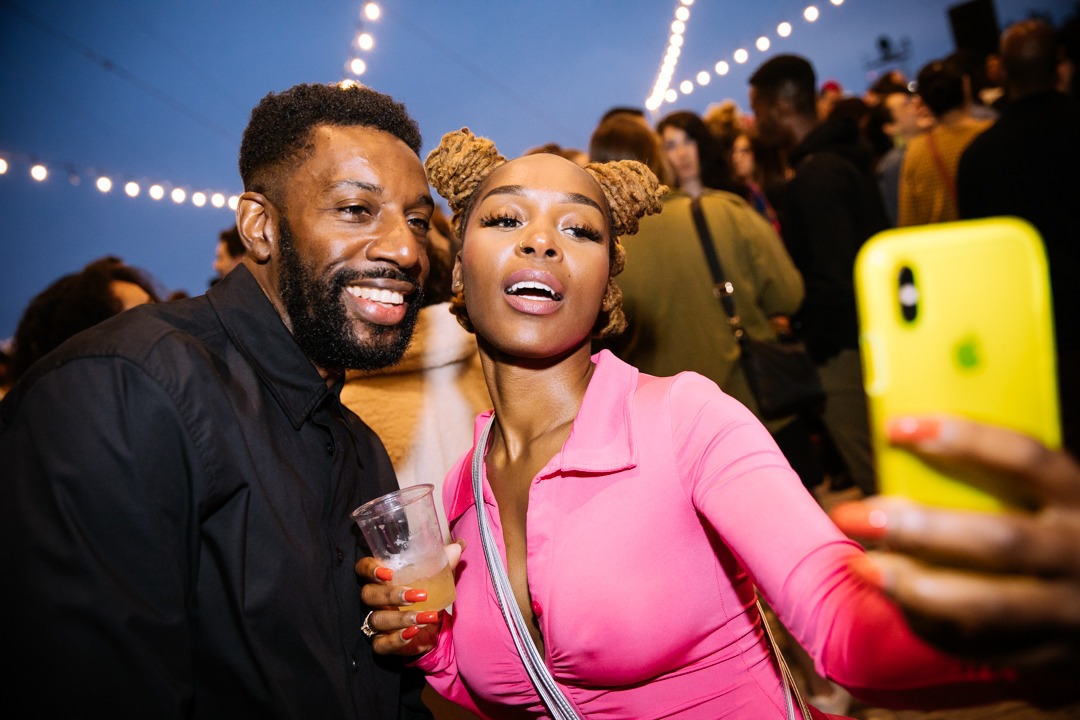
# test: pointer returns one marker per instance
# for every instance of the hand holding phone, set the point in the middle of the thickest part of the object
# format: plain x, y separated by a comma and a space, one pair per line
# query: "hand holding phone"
955, 318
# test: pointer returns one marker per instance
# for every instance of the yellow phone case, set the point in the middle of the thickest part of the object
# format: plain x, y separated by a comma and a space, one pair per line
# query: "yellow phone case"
955, 318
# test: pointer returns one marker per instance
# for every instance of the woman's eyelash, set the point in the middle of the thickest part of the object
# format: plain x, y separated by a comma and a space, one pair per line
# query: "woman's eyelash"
501, 219
588, 232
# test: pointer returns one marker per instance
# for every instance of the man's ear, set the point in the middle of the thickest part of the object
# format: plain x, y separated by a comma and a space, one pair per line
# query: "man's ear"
456, 283
256, 220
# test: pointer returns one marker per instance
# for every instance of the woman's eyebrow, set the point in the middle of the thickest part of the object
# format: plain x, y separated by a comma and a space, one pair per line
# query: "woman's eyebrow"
572, 197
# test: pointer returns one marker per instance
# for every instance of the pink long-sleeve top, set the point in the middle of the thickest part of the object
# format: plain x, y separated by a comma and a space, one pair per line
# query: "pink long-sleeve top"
646, 534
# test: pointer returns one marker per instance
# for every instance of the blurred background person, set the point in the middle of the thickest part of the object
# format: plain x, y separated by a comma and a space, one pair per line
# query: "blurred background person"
694, 154
893, 123
831, 93
831, 207
746, 147
1028, 165
228, 253
75, 302
928, 176
6, 381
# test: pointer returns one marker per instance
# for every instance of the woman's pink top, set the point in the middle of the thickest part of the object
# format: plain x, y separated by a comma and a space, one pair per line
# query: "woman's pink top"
647, 533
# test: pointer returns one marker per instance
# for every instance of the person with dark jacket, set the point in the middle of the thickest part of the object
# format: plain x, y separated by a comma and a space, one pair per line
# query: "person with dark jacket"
177, 480
1028, 165
831, 207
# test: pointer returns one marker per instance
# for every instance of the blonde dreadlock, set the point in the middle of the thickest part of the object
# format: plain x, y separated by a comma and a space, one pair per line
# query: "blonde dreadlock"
461, 163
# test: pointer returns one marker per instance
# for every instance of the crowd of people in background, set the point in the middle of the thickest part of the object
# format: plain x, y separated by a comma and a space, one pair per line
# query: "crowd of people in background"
791, 189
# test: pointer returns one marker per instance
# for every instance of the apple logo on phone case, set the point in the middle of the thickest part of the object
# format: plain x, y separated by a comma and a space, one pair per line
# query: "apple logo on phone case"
968, 354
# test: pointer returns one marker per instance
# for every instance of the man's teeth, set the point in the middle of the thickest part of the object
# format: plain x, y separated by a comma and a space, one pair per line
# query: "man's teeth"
524, 288
386, 297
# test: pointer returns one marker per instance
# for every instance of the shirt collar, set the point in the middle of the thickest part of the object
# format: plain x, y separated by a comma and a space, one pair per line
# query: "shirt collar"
601, 440
255, 327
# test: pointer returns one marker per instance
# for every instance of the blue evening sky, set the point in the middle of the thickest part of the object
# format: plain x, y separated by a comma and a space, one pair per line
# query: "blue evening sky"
151, 90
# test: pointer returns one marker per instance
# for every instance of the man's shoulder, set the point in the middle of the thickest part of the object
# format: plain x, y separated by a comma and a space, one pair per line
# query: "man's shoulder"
155, 338
149, 330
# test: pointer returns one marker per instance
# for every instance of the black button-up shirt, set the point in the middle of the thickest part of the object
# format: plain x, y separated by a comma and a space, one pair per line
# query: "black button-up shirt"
174, 524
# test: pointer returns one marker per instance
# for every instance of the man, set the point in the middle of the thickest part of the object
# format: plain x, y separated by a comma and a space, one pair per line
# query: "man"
902, 118
1028, 165
178, 480
832, 205
228, 253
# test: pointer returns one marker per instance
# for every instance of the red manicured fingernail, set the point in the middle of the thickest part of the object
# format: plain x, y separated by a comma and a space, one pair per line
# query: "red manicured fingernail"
913, 429
427, 617
860, 519
415, 595
410, 632
866, 570
384, 574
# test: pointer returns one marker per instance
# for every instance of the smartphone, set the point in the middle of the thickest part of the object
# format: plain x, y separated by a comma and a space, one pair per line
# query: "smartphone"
955, 318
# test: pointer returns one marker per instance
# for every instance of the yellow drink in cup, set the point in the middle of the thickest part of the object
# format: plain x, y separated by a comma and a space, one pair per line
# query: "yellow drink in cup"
440, 587
402, 531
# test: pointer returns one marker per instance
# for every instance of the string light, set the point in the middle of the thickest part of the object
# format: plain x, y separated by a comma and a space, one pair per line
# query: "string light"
356, 66
663, 92
105, 182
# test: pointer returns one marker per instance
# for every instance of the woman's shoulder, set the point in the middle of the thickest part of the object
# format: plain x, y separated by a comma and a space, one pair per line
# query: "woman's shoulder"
686, 390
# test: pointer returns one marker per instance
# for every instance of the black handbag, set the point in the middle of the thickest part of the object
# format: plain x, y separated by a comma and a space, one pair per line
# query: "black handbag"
782, 375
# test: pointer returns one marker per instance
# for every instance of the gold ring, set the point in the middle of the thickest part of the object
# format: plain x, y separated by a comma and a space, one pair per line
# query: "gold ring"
369, 632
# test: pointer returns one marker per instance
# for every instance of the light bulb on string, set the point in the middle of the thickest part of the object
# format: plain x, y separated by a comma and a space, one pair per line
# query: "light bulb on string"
217, 200
178, 195
39, 172
372, 11
132, 189
156, 191
104, 184
3, 166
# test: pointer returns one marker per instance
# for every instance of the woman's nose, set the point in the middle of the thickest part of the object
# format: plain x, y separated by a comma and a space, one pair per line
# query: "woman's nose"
540, 242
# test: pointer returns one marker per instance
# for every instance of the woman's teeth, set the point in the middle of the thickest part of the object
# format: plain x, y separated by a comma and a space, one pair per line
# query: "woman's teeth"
533, 288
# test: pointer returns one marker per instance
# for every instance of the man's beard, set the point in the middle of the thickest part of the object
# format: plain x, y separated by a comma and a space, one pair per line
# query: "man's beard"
320, 322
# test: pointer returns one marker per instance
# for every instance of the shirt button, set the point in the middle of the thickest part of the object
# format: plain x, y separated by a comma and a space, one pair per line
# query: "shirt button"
340, 556
355, 665
330, 448
537, 609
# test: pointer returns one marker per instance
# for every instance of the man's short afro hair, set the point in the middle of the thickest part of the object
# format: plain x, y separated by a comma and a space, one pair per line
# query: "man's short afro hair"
279, 130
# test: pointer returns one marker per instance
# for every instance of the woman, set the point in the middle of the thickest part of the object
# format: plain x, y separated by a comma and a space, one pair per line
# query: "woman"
636, 514
105, 287
694, 154
744, 151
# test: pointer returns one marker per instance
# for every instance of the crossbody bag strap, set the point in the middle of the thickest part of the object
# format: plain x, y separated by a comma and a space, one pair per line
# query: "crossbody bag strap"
722, 289
557, 703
